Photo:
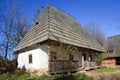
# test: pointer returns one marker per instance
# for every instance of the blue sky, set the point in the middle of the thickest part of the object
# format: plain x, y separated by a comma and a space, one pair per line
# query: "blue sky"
103, 13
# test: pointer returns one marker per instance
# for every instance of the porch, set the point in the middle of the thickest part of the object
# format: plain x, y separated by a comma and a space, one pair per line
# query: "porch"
58, 64
63, 66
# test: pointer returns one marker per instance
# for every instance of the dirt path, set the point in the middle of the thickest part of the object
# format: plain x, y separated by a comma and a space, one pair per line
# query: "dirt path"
105, 76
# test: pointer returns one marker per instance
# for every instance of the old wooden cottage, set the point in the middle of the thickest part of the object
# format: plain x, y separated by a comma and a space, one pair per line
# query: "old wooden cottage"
57, 43
112, 46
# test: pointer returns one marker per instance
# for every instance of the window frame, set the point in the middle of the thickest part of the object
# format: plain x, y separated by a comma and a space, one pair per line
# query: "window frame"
30, 59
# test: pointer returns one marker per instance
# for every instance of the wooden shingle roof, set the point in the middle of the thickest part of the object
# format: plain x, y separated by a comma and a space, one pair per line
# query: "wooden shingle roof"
55, 24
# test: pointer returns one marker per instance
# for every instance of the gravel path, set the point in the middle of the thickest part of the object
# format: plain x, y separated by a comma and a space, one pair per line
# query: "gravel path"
104, 76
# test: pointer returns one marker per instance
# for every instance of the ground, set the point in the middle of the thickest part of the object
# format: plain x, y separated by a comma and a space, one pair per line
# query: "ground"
104, 75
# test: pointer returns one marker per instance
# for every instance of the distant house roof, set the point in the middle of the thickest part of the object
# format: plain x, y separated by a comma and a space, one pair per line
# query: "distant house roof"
113, 44
56, 25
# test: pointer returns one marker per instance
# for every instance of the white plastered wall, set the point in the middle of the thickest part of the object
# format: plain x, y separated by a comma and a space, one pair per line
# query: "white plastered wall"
39, 58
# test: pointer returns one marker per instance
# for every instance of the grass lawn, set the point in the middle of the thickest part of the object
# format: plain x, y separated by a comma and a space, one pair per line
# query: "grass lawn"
108, 69
77, 76
26, 76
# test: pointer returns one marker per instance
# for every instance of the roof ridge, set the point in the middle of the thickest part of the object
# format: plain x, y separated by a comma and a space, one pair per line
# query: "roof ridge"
114, 36
51, 5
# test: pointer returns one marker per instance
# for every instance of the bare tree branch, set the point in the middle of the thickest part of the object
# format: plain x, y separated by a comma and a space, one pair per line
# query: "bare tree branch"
12, 23
96, 32
38, 12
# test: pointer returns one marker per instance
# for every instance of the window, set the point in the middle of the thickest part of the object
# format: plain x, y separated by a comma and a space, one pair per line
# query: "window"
30, 58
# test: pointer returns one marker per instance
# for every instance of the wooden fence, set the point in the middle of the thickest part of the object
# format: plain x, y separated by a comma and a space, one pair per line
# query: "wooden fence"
90, 65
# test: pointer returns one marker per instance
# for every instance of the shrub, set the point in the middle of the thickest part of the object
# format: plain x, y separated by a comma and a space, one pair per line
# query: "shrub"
0, 62
100, 58
9, 66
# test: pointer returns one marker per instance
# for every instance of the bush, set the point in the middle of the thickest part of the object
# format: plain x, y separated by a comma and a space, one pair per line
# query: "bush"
1, 61
10, 65
7, 66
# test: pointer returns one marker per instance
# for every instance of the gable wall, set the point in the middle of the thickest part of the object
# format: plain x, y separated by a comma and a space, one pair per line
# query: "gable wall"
39, 58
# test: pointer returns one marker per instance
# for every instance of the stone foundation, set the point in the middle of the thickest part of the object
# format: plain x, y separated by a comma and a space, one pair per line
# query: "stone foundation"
37, 72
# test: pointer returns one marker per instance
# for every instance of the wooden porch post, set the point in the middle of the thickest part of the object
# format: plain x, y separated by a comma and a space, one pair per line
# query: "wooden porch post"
82, 61
89, 58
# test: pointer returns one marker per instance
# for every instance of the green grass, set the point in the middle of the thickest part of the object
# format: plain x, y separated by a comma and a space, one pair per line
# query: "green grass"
14, 77
26, 76
78, 76
108, 69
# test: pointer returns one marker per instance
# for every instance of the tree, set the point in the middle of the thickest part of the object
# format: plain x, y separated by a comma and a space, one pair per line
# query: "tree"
38, 12
12, 24
21, 29
6, 26
116, 23
100, 58
96, 32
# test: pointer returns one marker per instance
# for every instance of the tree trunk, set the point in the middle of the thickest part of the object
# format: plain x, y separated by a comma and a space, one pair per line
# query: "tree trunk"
6, 50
